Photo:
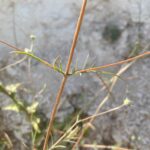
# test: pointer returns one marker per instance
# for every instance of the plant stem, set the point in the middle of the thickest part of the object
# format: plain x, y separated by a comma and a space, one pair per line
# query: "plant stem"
60, 91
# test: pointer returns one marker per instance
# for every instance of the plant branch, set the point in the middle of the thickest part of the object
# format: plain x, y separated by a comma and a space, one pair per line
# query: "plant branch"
114, 64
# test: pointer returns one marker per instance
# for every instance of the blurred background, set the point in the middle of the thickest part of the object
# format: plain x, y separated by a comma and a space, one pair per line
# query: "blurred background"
111, 31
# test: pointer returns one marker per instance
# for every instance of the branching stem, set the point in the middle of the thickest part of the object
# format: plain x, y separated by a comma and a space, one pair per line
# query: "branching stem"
60, 91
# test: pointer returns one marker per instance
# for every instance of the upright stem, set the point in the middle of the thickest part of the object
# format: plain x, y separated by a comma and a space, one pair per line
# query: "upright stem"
61, 88
76, 35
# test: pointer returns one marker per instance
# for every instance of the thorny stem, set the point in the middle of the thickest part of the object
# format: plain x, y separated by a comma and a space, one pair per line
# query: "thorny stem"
57, 102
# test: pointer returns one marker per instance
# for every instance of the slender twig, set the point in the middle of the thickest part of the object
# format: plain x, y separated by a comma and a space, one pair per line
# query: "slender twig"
57, 102
13, 64
14, 23
103, 147
8, 140
113, 64
105, 85
103, 113
11, 46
